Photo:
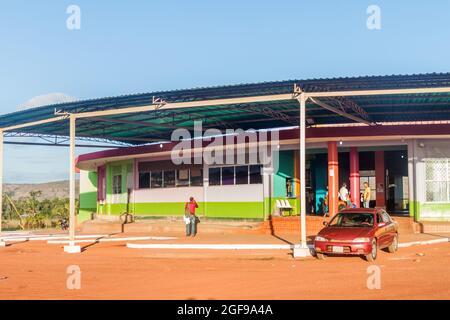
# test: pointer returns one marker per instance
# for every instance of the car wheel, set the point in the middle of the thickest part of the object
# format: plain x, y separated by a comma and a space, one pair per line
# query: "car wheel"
320, 256
373, 254
394, 245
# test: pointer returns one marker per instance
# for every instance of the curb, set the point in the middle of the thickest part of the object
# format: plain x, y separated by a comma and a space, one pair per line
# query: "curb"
414, 243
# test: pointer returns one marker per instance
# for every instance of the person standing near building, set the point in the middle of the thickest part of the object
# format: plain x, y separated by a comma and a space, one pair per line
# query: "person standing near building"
343, 194
366, 195
190, 217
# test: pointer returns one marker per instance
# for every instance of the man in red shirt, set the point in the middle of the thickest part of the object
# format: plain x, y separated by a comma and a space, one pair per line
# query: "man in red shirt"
190, 217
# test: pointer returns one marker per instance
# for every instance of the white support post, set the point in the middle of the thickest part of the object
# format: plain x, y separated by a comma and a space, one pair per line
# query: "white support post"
72, 248
302, 249
2, 243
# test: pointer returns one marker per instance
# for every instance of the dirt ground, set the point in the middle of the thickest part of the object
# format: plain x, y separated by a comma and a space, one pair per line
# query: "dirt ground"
37, 270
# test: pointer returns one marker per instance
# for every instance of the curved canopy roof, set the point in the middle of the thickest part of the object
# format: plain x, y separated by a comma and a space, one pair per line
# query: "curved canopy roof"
159, 123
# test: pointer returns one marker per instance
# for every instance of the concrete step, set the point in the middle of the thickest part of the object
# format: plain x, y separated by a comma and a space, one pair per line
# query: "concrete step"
291, 224
273, 226
315, 223
168, 225
432, 227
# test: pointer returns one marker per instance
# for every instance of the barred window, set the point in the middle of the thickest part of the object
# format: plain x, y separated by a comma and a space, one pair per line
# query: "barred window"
117, 184
437, 180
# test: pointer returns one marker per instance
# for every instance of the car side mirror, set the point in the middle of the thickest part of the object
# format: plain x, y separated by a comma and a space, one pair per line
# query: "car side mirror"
325, 224
381, 224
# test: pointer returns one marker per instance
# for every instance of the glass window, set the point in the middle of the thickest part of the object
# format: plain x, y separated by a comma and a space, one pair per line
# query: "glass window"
379, 219
372, 185
242, 175
144, 180
214, 176
183, 178
436, 191
117, 184
437, 182
385, 217
227, 176
169, 179
197, 177
351, 220
156, 179
255, 174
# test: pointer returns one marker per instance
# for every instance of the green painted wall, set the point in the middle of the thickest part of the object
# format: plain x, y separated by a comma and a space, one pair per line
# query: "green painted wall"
286, 163
251, 210
285, 169
112, 169
88, 199
85, 214
431, 211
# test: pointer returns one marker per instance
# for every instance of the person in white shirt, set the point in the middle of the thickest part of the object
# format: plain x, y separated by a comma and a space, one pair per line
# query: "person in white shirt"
343, 193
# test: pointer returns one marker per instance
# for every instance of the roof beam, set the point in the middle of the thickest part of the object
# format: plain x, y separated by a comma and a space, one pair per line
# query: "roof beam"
345, 105
273, 114
376, 92
138, 123
341, 112
33, 123
144, 140
62, 145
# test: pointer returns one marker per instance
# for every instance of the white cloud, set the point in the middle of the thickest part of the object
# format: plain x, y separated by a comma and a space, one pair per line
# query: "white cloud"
46, 99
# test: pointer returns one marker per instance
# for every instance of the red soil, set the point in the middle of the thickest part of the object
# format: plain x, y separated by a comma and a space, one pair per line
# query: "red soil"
36, 270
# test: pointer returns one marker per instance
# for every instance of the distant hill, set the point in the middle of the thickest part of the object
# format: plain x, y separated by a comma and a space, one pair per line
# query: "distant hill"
50, 190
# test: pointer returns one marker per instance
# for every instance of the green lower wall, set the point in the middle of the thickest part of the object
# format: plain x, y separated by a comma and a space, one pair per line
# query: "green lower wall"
85, 214
249, 210
88, 200
430, 211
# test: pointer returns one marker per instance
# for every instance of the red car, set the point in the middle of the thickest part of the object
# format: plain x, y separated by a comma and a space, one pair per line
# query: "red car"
357, 232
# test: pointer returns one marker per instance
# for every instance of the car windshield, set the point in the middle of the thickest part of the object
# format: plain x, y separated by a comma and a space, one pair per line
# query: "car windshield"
354, 219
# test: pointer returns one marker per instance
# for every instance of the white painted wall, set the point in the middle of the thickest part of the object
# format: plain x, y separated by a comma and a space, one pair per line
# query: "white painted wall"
423, 149
236, 193
180, 194
85, 184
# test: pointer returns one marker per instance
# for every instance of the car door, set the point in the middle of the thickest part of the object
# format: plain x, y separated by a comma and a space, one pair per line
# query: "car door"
381, 233
390, 227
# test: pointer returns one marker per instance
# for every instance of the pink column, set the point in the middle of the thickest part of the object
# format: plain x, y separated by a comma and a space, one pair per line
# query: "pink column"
333, 178
380, 179
354, 176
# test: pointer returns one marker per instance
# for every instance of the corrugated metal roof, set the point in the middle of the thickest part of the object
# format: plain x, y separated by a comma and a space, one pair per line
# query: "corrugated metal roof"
158, 125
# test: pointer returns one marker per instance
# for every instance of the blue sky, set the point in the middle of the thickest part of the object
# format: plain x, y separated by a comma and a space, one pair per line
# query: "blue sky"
137, 46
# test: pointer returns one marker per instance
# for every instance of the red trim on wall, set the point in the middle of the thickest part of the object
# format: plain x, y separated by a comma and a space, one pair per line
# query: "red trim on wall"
323, 132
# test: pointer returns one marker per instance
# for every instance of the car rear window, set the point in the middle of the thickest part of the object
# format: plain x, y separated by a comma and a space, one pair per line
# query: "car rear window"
354, 219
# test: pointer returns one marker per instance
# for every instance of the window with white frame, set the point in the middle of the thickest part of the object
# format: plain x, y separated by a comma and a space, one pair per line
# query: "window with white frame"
437, 180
